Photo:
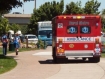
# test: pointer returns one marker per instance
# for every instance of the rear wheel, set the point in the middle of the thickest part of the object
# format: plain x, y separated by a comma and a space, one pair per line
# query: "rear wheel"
61, 60
54, 55
54, 59
96, 60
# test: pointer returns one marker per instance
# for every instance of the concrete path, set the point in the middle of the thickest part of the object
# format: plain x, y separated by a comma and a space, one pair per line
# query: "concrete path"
38, 65
81, 71
31, 66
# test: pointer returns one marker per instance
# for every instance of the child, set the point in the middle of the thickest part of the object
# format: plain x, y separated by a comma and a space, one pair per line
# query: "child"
17, 43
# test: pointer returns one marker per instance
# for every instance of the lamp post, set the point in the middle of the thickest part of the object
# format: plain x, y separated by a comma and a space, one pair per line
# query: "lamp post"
23, 7
35, 4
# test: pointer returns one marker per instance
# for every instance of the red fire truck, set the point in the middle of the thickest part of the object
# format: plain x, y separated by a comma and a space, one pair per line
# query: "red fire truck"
77, 36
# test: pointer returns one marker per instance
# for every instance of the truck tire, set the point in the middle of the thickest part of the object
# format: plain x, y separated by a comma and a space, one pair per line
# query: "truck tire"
95, 60
54, 55
61, 60
54, 59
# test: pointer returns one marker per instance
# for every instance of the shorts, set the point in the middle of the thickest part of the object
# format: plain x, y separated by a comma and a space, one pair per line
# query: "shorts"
16, 45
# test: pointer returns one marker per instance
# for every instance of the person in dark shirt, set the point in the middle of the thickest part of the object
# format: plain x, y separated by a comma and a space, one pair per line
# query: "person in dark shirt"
4, 43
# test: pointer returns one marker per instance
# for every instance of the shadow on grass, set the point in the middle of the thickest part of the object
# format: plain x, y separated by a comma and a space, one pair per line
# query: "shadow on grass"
6, 57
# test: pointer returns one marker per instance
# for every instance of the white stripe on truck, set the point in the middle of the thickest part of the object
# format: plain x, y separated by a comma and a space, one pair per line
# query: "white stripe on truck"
76, 40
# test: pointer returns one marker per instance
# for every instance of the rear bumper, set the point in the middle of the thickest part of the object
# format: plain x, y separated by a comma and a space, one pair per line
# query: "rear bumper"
80, 53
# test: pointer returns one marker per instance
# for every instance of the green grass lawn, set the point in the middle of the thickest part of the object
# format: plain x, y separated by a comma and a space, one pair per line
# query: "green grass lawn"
103, 54
6, 63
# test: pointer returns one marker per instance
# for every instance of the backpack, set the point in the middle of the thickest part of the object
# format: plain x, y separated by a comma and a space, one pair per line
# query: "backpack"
4, 39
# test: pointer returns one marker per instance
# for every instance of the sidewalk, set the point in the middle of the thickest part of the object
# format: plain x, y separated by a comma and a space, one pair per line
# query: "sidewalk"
32, 67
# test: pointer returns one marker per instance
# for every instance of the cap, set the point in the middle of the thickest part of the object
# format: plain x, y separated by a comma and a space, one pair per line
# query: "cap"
16, 33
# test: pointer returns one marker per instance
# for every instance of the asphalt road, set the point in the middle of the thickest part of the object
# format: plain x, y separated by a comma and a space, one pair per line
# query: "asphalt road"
39, 65
81, 70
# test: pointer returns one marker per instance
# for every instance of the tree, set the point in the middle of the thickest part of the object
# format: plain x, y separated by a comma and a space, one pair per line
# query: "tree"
91, 7
103, 12
103, 19
103, 22
49, 10
45, 13
14, 27
7, 5
57, 8
4, 25
23, 29
74, 8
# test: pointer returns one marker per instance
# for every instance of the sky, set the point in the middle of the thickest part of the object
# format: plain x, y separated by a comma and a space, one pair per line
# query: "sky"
29, 6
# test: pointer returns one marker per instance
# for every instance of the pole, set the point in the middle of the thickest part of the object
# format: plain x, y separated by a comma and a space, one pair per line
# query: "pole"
23, 7
35, 4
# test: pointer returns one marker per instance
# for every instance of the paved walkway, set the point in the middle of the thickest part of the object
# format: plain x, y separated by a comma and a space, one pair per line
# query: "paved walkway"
38, 65
32, 66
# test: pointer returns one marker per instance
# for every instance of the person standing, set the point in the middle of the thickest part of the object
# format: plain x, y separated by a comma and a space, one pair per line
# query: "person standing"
16, 43
4, 44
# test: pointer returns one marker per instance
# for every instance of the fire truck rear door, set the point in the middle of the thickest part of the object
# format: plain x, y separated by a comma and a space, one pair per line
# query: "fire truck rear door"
79, 35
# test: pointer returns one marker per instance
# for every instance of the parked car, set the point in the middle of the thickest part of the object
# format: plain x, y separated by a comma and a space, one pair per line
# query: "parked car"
17, 13
31, 38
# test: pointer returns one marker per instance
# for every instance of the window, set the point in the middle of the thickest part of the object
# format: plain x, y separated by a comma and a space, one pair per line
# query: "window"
45, 32
47, 27
31, 37
72, 29
85, 29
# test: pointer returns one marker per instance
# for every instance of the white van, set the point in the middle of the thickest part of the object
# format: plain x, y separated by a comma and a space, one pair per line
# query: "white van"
31, 38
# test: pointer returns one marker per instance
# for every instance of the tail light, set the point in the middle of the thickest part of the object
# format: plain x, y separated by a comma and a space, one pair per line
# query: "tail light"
97, 46
60, 49
60, 41
97, 40
78, 17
